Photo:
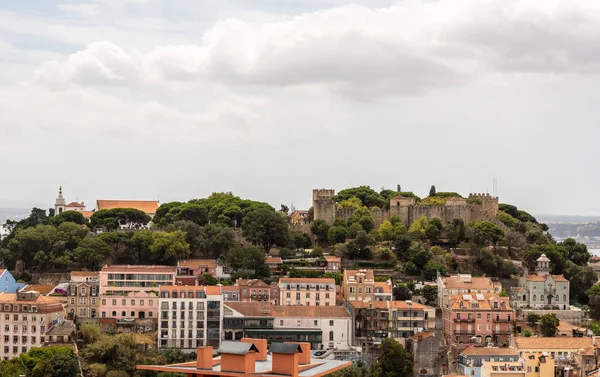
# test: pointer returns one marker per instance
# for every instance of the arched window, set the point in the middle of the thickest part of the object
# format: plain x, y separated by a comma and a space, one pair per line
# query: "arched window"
331, 336
565, 298
524, 297
534, 298
542, 299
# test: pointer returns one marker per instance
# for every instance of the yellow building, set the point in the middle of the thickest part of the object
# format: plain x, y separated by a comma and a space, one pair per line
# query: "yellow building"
538, 364
358, 285
502, 369
556, 347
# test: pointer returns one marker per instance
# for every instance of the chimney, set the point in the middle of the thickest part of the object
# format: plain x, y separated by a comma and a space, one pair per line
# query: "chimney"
204, 357
238, 357
304, 357
285, 359
261, 345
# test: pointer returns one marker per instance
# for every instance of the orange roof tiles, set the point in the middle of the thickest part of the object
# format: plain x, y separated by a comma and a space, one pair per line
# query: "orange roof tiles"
11, 298
44, 289
147, 206
544, 343
306, 281
75, 204
489, 351
85, 273
368, 273
196, 263
543, 278
455, 282
273, 260
388, 304
87, 214
229, 288
422, 335
265, 309
331, 258
483, 304
139, 268
385, 286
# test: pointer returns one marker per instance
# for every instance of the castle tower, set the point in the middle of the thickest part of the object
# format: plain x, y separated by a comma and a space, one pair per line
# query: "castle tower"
543, 266
60, 205
324, 207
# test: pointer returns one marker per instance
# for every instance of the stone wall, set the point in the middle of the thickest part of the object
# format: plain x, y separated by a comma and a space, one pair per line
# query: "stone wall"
325, 208
50, 278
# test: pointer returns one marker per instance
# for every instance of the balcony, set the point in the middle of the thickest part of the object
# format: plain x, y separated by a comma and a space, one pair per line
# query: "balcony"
464, 332
505, 320
469, 320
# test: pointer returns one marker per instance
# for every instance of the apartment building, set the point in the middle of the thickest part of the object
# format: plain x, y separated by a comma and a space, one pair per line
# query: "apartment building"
464, 284
324, 327
25, 321
471, 359
383, 291
83, 294
275, 265
378, 320
358, 285
502, 369
257, 290
538, 364
307, 291
558, 348
190, 317
477, 319
332, 263
128, 291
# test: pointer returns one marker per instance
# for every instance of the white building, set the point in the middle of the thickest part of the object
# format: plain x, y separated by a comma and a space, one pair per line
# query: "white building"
26, 319
307, 291
542, 290
190, 317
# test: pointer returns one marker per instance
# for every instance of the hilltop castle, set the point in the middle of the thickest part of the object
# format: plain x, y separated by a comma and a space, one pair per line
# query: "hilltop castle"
477, 207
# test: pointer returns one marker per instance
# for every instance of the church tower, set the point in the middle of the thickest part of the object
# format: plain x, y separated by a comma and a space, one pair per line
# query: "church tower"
60, 205
543, 266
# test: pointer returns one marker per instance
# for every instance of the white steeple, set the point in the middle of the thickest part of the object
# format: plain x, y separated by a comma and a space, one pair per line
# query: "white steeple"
543, 265
60, 205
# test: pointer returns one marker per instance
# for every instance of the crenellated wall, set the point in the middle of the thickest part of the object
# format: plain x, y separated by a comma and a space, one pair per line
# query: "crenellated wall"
408, 210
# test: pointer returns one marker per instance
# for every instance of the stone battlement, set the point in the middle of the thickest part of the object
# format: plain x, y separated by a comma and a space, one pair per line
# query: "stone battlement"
408, 210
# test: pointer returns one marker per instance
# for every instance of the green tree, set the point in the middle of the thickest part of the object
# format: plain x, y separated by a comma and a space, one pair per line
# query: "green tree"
533, 319
594, 301
410, 268
363, 217
320, 229
527, 333
337, 234
416, 231
91, 253
167, 248
549, 323
368, 197
387, 231
432, 190
214, 240
68, 216
207, 279
337, 276
266, 228
432, 268
302, 240
248, 259
485, 233
393, 360
429, 292
507, 219
403, 244
352, 202
112, 219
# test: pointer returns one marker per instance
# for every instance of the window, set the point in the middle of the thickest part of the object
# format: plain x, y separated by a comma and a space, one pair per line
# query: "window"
83, 291
352, 289
298, 323
123, 302
472, 372
281, 322
72, 300
534, 298
316, 322
132, 302
331, 336
528, 369
114, 302
331, 321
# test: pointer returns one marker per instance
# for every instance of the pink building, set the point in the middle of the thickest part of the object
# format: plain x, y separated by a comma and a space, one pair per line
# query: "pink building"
129, 292
478, 319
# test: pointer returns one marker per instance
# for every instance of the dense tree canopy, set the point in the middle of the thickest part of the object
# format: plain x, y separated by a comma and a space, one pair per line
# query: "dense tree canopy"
111, 219
368, 197
394, 360
266, 228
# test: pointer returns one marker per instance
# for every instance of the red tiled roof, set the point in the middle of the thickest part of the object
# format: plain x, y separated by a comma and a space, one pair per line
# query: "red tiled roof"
265, 309
85, 273
273, 260
331, 258
147, 206
543, 278
75, 204
196, 263
386, 287
368, 273
489, 351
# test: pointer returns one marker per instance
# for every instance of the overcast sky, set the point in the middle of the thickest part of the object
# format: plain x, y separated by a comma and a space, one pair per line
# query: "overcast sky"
175, 99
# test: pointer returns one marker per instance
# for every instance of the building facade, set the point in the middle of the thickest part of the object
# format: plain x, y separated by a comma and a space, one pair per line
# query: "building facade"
83, 294
464, 284
131, 292
8, 283
307, 291
190, 317
477, 319
542, 290
25, 320
324, 327
358, 285
383, 291
471, 359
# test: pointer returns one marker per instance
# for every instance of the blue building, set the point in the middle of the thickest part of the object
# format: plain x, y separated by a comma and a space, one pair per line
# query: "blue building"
8, 283
471, 358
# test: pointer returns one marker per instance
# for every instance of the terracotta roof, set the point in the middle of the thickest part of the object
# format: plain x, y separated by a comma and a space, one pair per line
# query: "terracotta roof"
543, 278
368, 273
565, 326
87, 214
147, 206
85, 273
229, 288
331, 258
44, 289
422, 335
139, 268
485, 304
6, 298
265, 309
544, 343
306, 281
455, 282
196, 263
489, 351
382, 284
273, 260
209, 289
257, 283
